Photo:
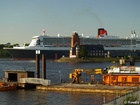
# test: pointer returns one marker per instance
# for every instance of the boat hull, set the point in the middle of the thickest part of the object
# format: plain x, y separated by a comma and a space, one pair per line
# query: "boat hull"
27, 54
5, 88
56, 53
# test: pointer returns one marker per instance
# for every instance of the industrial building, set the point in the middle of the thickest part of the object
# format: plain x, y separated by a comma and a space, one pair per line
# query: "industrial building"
15, 75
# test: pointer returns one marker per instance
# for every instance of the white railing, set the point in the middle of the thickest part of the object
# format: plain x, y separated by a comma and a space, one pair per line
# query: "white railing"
35, 81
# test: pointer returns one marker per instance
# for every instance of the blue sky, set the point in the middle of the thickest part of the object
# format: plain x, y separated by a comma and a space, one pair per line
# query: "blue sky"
20, 20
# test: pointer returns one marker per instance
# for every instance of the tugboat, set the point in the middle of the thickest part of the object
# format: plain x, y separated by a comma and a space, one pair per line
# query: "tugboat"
122, 74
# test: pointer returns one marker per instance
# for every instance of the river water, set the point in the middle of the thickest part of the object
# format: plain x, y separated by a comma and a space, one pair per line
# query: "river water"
55, 72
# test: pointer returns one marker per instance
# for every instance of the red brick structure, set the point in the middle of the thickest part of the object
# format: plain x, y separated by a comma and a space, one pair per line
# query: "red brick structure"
75, 43
75, 39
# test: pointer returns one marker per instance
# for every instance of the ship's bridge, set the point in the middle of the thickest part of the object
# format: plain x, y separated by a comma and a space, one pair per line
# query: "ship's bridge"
35, 41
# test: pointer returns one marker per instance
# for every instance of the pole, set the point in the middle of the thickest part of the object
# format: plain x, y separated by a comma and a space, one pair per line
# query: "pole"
60, 76
37, 66
104, 98
56, 56
43, 66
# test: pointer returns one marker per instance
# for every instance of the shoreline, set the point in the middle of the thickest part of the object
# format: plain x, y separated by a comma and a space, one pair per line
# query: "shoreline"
89, 60
91, 88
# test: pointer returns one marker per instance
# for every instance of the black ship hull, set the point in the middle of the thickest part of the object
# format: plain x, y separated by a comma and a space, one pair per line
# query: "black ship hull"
22, 54
28, 54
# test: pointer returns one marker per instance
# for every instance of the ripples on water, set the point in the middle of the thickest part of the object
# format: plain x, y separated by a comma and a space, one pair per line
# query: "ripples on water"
37, 97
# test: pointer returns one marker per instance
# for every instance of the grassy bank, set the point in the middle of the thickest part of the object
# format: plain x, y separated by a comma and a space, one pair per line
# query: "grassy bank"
82, 60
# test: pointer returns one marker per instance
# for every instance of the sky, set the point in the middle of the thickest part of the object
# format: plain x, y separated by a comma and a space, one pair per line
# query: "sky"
20, 20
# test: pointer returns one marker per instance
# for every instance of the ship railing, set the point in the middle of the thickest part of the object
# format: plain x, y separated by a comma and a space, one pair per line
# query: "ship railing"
41, 81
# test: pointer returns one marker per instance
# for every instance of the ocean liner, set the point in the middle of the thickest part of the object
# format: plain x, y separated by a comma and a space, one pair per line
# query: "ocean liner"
56, 47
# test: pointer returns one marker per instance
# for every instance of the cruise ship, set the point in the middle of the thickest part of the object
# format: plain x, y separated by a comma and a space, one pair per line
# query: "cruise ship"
59, 46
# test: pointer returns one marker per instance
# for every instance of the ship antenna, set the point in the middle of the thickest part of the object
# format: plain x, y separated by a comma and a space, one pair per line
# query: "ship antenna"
43, 32
131, 40
135, 35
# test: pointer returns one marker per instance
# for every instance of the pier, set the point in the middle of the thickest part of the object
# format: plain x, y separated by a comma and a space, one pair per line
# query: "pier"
33, 82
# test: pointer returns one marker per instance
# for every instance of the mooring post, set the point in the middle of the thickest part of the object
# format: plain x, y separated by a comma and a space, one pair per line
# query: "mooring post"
56, 56
37, 64
43, 66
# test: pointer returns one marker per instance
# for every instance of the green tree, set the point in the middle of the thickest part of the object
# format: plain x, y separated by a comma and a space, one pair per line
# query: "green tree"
3, 52
16, 44
83, 51
1, 46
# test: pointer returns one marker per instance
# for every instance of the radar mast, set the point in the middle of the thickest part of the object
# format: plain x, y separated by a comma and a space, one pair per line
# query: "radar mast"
43, 32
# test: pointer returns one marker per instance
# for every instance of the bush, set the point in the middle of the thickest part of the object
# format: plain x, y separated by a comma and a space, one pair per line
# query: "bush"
131, 100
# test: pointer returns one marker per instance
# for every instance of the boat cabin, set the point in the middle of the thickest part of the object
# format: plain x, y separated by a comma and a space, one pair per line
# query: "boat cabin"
123, 79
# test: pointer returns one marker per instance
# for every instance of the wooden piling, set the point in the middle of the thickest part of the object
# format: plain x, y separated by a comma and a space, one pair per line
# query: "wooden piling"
37, 66
43, 66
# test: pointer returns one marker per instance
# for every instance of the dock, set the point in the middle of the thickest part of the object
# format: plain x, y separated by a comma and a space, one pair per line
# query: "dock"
92, 88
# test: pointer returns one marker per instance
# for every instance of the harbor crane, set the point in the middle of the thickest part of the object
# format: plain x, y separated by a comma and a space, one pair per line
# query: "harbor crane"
77, 74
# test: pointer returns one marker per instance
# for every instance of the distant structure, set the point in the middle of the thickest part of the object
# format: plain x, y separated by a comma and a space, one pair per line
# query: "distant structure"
16, 75
133, 34
101, 32
122, 61
58, 35
92, 50
43, 32
75, 43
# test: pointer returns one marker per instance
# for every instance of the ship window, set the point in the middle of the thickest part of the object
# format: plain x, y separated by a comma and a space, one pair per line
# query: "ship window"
113, 78
38, 42
124, 79
90, 54
135, 79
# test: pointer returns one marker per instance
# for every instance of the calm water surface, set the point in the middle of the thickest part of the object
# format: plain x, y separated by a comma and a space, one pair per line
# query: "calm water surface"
54, 70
